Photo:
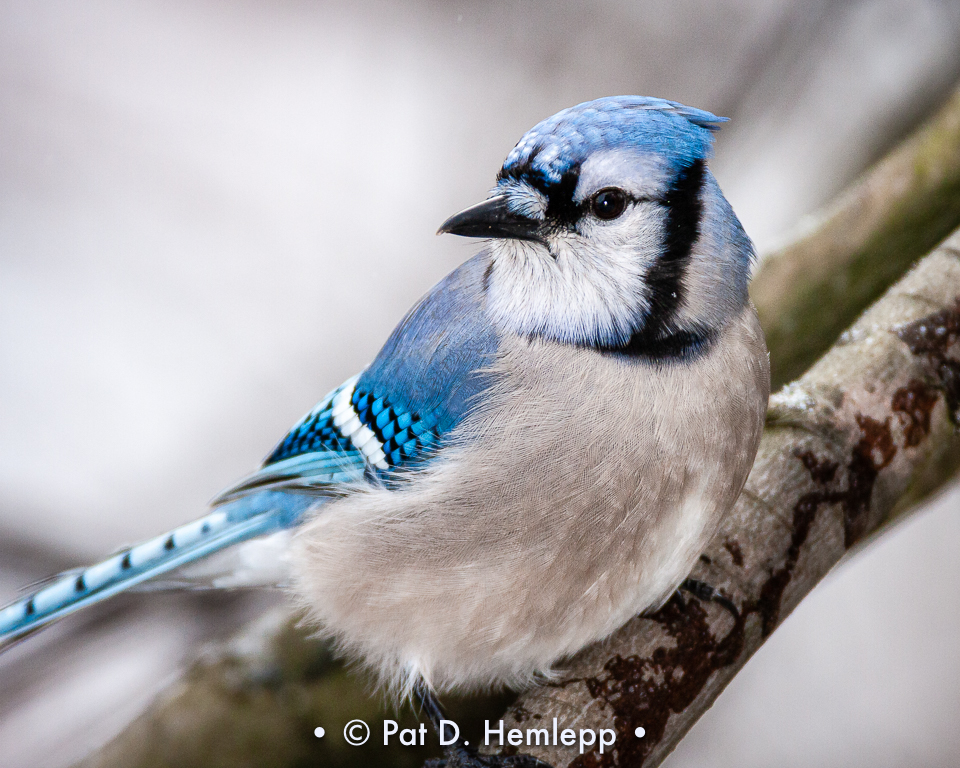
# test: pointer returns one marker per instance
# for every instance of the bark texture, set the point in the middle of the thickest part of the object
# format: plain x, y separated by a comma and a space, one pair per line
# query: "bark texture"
845, 448
810, 290
855, 442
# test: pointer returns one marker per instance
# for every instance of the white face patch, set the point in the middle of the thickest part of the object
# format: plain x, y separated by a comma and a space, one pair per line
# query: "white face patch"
583, 287
641, 175
523, 199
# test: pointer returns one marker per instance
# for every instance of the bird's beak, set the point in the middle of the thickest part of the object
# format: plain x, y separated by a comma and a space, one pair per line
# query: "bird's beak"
492, 218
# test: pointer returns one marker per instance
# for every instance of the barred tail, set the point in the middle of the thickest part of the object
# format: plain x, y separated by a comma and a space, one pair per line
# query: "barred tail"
229, 524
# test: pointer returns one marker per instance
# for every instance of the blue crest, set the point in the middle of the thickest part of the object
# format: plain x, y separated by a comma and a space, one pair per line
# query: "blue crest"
556, 145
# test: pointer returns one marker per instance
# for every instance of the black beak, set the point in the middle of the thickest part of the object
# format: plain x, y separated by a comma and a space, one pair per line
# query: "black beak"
492, 218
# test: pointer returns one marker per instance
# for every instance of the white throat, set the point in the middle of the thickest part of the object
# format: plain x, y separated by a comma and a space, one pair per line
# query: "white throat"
573, 290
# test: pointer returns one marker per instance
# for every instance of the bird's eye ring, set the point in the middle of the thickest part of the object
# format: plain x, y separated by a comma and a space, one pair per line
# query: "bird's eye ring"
608, 203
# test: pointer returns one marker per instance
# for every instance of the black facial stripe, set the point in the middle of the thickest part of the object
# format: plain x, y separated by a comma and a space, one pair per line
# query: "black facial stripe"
677, 345
524, 169
657, 339
681, 230
561, 208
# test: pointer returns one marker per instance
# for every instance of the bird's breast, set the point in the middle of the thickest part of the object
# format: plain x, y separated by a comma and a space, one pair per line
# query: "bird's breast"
578, 495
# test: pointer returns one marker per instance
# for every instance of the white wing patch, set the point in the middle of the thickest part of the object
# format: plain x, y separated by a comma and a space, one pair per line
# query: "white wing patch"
348, 424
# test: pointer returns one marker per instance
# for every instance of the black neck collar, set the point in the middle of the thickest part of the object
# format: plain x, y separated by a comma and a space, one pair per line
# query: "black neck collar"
672, 345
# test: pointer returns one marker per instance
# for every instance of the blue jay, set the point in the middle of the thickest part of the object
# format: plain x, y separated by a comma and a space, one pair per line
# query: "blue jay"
543, 446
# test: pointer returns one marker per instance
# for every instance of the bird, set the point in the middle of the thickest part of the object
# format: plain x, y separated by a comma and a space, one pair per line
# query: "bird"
541, 449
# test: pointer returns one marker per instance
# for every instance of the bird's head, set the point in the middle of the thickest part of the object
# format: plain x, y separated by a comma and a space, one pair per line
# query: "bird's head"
607, 230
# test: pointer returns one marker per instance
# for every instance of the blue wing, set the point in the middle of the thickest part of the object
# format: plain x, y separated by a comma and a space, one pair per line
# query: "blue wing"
314, 456
395, 414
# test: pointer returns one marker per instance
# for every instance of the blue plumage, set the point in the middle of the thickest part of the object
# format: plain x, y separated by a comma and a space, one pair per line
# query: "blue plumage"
420, 386
563, 141
609, 316
313, 434
432, 365
234, 522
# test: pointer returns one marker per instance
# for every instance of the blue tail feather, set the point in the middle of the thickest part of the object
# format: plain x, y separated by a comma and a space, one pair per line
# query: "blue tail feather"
229, 524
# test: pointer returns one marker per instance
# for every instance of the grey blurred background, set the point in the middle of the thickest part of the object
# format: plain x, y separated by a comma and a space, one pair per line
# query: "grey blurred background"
211, 213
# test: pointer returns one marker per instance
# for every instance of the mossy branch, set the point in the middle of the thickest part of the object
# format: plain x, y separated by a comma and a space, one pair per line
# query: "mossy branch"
810, 290
843, 445
869, 427
854, 443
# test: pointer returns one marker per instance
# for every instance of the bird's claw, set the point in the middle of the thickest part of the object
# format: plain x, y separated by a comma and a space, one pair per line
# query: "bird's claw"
703, 591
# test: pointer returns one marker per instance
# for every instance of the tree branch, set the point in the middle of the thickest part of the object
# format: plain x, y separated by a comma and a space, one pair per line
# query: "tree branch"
849, 447
810, 290
871, 424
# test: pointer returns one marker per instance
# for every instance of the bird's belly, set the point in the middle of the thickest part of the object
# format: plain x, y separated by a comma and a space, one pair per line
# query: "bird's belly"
573, 502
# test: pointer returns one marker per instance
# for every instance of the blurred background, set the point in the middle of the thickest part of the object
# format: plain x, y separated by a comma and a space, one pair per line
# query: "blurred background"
211, 213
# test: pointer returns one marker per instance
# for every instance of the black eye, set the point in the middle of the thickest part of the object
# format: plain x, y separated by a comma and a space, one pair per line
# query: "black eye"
609, 203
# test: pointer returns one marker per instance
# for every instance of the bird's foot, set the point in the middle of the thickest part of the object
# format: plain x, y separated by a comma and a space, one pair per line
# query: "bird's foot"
703, 591
460, 756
